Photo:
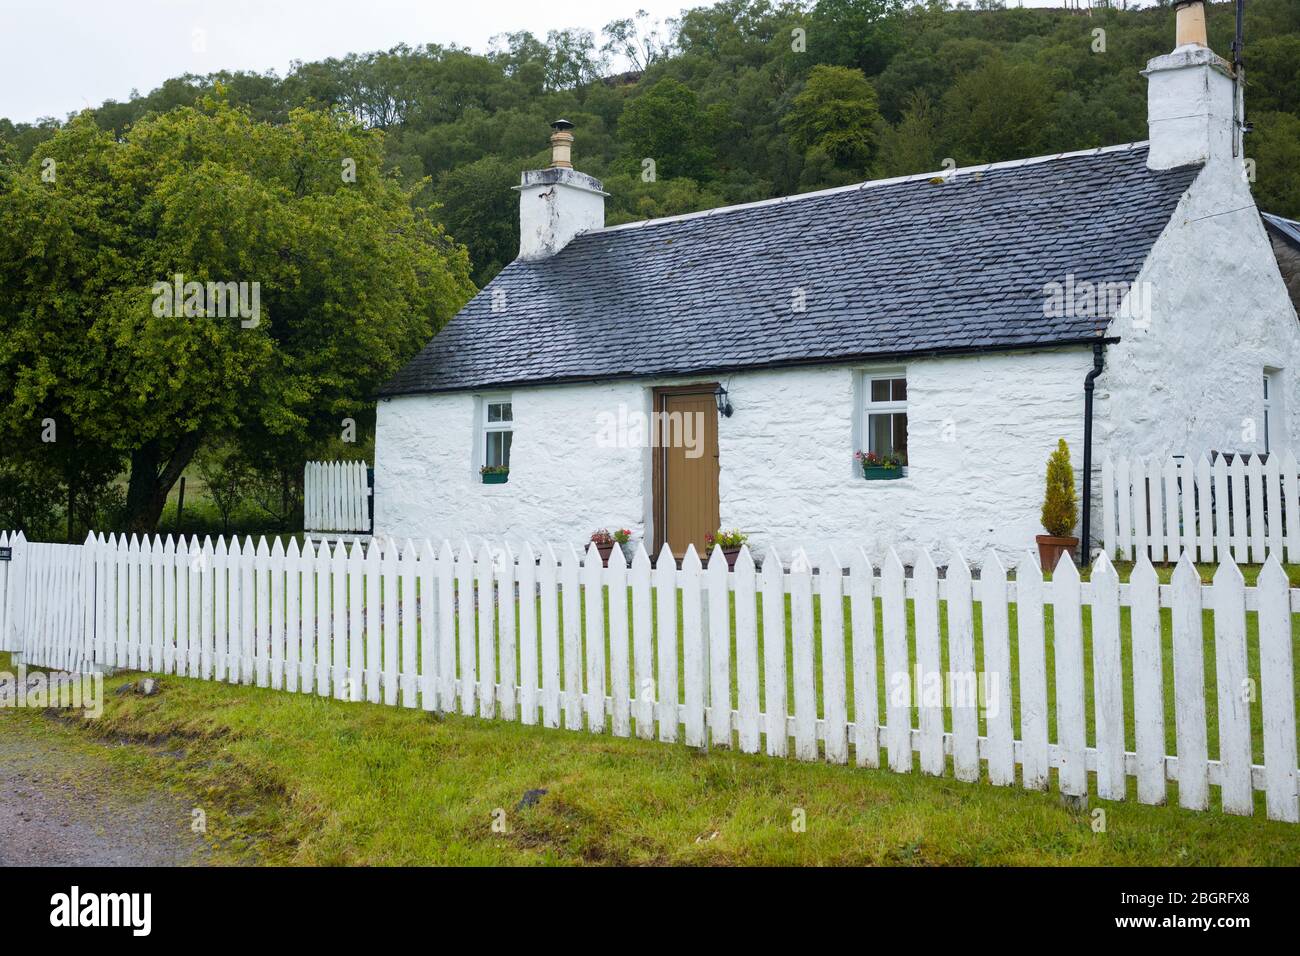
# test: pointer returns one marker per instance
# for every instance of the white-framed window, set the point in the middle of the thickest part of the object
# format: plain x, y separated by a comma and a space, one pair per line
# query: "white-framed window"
884, 413
496, 430
1274, 417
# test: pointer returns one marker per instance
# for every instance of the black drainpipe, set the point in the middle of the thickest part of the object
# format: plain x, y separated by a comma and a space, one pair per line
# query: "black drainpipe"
1098, 363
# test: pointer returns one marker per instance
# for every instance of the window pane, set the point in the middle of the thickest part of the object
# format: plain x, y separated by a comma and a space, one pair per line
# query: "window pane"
887, 434
878, 431
880, 390
1266, 386
900, 389
499, 412
498, 448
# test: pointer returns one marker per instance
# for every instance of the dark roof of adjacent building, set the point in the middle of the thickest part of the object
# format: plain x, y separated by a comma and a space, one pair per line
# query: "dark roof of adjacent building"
890, 268
1288, 229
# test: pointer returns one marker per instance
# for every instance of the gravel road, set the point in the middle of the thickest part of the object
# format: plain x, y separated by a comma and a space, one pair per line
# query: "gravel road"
61, 804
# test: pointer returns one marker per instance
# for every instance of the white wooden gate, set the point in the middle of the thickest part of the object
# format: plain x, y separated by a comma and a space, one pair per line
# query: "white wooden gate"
336, 497
11, 553
52, 602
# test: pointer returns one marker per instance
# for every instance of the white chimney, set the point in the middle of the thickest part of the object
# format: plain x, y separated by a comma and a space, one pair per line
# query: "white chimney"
557, 203
1190, 98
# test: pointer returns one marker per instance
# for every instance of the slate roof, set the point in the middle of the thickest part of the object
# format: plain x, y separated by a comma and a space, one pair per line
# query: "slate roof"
1289, 229
892, 268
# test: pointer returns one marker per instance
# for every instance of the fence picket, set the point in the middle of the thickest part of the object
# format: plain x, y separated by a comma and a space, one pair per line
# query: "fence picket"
1199, 483
1240, 529
547, 576
619, 664
835, 709
1148, 683
1108, 679
1222, 524
1067, 646
866, 701
929, 665
747, 652
642, 645
1273, 489
1125, 506
775, 704
961, 667
408, 624
508, 658
1231, 688
348, 604
1157, 533
1141, 507
276, 584
719, 643
571, 636
801, 629
898, 683
485, 602
465, 627
695, 677
1108, 516
997, 668
528, 685
666, 687
594, 615
1277, 690
1174, 522
1291, 485
1189, 687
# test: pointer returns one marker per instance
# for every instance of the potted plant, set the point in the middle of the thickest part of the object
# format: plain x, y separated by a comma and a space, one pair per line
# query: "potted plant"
495, 474
1060, 510
729, 542
604, 542
881, 467
623, 538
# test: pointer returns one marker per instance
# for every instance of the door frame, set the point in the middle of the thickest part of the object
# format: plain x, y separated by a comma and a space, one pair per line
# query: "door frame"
658, 476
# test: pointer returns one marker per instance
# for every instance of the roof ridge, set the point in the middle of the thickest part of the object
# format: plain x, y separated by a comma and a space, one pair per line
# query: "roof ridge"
869, 184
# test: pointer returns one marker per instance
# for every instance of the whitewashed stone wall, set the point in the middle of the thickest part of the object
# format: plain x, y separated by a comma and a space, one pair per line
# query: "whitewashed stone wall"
980, 431
1191, 381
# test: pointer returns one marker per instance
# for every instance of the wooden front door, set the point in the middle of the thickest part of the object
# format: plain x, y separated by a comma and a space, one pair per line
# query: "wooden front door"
686, 467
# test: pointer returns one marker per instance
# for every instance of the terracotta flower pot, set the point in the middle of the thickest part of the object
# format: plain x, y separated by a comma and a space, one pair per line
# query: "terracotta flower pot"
1050, 549
605, 551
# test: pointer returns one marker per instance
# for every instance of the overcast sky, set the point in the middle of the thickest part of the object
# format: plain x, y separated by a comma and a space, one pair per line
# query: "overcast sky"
60, 56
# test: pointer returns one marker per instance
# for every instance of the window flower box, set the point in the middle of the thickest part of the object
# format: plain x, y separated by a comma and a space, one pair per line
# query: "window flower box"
880, 467
497, 476
881, 473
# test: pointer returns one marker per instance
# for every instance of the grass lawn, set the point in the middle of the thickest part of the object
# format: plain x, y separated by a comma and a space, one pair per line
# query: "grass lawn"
287, 778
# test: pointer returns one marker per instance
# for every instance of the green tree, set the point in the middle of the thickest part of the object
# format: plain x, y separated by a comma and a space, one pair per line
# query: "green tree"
481, 210
666, 124
999, 112
352, 279
1275, 147
836, 113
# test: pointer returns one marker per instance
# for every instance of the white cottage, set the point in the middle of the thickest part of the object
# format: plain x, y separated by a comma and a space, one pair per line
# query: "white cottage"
721, 369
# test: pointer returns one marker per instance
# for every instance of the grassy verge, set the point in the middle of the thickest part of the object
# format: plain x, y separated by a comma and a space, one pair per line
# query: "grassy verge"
287, 778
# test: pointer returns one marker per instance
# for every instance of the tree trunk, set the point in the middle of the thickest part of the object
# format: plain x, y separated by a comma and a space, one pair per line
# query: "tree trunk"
152, 480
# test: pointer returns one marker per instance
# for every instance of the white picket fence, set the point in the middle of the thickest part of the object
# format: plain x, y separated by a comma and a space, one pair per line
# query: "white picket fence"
1164, 507
561, 640
336, 496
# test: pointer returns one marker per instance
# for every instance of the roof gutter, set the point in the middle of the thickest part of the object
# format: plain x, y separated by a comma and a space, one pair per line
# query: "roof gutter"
1090, 340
